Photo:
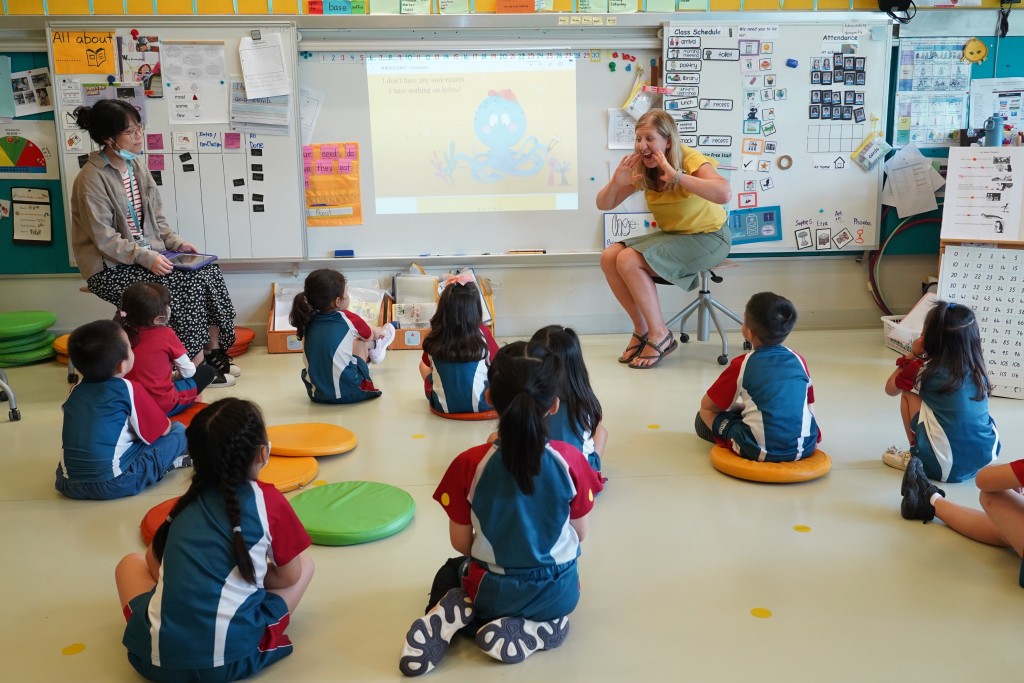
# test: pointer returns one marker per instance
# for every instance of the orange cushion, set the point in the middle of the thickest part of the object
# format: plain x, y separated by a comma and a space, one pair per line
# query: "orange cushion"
486, 415
154, 518
243, 337
816, 465
60, 345
310, 439
63, 360
288, 474
185, 416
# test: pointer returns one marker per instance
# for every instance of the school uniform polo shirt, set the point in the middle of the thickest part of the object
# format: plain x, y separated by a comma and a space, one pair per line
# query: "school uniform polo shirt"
106, 425
458, 387
157, 351
327, 352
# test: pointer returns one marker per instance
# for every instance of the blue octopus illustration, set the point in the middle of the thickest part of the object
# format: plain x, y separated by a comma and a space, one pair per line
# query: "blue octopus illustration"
500, 124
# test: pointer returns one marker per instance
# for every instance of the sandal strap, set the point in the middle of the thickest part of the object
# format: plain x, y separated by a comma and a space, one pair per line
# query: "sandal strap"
660, 346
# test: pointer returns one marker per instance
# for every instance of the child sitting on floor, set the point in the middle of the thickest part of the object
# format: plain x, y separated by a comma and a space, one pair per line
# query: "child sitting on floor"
762, 406
116, 439
336, 343
457, 351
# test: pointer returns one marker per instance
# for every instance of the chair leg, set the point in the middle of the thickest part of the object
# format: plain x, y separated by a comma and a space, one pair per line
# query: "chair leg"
724, 358
682, 315
725, 309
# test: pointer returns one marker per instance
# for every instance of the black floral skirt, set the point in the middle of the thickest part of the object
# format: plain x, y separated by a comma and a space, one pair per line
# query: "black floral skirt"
199, 300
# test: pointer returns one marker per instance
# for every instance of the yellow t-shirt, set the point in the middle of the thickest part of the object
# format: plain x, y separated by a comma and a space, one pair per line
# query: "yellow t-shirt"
679, 211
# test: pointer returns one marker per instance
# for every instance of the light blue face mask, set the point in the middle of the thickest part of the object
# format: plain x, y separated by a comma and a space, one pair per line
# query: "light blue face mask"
126, 155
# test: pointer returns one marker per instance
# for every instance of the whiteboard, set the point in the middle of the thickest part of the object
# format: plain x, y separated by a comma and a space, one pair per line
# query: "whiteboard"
750, 95
346, 117
234, 195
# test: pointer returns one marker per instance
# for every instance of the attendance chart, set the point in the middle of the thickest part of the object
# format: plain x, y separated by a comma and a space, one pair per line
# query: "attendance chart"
989, 281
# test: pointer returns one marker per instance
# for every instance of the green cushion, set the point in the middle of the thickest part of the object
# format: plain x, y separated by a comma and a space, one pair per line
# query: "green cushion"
22, 323
352, 512
34, 340
9, 347
8, 360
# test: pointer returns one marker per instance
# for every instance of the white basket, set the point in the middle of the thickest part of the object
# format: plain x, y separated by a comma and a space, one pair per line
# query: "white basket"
897, 337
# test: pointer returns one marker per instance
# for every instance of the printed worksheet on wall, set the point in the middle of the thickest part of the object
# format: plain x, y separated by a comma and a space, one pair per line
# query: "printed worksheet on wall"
984, 194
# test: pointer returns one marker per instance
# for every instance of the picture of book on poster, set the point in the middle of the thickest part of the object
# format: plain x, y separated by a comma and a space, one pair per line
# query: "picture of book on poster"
139, 59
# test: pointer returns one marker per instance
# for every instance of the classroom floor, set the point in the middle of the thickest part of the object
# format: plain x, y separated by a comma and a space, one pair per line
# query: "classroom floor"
678, 558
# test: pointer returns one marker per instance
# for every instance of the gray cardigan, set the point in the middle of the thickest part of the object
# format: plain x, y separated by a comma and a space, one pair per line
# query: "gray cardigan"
99, 227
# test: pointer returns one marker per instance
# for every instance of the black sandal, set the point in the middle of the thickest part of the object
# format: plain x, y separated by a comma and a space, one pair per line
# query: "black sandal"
628, 355
661, 349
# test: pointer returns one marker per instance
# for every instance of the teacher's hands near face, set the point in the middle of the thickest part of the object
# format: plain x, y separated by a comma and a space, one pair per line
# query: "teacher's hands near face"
189, 247
626, 169
161, 266
668, 173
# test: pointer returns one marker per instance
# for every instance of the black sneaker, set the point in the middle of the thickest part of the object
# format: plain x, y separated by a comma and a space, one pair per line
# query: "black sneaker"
427, 640
221, 362
183, 460
917, 493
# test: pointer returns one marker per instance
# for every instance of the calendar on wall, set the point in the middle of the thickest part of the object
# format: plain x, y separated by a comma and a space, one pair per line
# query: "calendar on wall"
990, 281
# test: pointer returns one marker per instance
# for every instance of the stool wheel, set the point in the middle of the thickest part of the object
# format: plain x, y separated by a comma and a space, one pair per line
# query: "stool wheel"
683, 337
72, 378
723, 359
15, 415
747, 346
3, 395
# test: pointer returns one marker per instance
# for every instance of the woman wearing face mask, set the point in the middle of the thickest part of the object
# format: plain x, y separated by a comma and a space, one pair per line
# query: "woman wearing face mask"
118, 232
685, 193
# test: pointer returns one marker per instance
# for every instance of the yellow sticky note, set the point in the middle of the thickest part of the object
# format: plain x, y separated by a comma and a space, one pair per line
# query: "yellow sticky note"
84, 52
174, 6
69, 7
215, 7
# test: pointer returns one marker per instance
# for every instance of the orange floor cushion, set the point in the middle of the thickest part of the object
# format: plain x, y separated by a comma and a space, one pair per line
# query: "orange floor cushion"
154, 518
185, 416
310, 439
243, 338
816, 465
288, 474
486, 415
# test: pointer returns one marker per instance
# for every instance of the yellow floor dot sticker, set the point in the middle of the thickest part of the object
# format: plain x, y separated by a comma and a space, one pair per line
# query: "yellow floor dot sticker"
419, 436
801, 528
654, 426
319, 482
73, 649
761, 612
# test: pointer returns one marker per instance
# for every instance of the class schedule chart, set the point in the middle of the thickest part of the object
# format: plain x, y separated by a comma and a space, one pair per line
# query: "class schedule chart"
989, 281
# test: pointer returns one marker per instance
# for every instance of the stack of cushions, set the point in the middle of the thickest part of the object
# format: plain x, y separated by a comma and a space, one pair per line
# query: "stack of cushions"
243, 338
24, 337
60, 347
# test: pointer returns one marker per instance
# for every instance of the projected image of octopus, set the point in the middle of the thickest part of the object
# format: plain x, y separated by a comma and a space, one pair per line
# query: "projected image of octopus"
500, 126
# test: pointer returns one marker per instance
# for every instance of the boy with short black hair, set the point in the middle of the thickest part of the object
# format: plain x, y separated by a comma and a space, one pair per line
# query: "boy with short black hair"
116, 440
761, 407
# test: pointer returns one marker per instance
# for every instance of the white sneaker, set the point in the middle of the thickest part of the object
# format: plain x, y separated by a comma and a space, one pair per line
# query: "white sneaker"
234, 370
380, 347
895, 458
222, 381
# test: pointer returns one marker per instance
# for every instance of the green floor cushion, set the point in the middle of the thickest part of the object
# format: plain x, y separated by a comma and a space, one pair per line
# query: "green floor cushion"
15, 324
352, 512
8, 360
30, 341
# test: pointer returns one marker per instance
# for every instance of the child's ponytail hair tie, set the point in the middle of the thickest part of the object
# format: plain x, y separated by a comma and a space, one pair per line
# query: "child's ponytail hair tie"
122, 314
952, 304
460, 279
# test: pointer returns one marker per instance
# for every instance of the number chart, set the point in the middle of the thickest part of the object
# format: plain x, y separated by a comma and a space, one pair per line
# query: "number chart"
989, 281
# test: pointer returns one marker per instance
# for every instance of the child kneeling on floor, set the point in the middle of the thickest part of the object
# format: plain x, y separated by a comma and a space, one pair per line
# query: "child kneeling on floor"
762, 405
116, 439
517, 511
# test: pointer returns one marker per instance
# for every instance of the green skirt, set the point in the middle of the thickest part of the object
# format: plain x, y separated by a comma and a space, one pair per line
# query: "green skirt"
679, 257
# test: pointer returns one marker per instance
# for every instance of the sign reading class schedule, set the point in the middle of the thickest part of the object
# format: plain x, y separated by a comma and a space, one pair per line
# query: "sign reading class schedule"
84, 52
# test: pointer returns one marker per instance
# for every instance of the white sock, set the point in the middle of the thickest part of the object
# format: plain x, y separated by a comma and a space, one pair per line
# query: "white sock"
935, 497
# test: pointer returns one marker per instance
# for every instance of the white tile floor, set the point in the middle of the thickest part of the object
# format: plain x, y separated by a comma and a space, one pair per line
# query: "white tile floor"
677, 558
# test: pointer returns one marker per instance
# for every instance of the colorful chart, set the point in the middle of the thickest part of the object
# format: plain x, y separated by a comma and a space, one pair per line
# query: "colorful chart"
20, 155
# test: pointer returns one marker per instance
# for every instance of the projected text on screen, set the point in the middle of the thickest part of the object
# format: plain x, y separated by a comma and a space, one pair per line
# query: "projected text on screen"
473, 132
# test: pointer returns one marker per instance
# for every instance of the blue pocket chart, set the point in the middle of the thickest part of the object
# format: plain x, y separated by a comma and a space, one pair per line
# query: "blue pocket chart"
755, 225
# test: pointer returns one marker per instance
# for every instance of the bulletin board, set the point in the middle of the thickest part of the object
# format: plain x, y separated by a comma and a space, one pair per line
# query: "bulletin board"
229, 190
786, 103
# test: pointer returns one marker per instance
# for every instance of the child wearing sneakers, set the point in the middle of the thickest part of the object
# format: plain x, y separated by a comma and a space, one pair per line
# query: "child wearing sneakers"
116, 439
762, 406
517, 511
944, 390
336, 342
1000, 522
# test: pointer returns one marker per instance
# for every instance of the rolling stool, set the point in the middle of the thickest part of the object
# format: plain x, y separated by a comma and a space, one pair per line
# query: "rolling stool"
704, 305
7, 394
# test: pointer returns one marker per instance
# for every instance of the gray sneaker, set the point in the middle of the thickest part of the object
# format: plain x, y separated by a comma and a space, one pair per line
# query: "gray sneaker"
427, 641
917, 493
513, 639
895, 458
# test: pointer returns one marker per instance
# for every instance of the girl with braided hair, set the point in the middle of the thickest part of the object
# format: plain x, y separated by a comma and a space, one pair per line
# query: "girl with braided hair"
517, 513
211, 598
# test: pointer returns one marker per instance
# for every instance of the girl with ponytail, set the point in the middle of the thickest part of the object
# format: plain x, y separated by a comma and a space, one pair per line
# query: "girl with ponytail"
517, 512
213, 595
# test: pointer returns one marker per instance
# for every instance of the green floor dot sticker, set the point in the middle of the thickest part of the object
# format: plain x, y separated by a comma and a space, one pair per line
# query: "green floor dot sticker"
761, 612
73, 649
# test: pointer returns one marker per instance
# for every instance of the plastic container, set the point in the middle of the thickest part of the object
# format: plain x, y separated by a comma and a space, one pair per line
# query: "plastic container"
897, 337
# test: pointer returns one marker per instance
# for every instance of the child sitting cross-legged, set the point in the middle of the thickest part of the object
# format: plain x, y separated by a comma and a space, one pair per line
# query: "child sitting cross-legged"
116, 439
761, 407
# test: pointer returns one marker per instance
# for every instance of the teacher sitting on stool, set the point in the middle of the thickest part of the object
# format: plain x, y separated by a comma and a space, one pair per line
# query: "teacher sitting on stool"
685, 193
118, 230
